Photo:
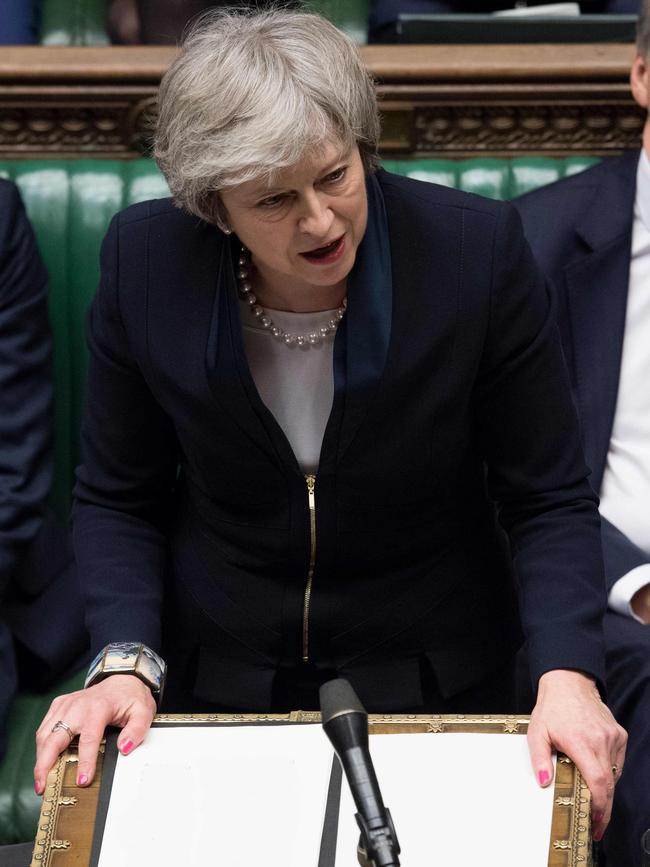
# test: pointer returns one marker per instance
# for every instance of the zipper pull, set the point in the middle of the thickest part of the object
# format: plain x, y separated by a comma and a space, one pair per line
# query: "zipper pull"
311, 489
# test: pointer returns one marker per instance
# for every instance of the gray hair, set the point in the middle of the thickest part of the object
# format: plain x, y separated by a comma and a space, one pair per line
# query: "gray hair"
643, 29
252, 93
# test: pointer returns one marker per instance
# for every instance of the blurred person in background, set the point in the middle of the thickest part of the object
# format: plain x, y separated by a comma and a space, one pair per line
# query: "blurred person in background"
591, 234
42, 632
20, 22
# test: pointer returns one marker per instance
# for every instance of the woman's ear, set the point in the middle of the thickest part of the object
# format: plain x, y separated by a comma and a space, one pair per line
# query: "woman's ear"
639, 81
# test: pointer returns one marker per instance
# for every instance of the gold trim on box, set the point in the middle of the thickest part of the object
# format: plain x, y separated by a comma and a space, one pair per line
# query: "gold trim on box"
45, 838
57, 803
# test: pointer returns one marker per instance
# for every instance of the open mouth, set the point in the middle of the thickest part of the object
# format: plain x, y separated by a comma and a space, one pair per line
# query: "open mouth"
326, 253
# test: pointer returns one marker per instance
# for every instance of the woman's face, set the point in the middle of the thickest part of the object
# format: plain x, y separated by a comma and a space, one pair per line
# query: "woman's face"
303, 230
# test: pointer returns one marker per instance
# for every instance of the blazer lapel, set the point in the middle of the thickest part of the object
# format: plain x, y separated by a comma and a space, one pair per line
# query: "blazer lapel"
362, 343
596, 286
226, 364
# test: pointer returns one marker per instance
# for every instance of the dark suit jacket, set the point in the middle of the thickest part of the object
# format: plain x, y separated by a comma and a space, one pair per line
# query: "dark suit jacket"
580, 230
448, 359
20, 22
25, 385
40, 599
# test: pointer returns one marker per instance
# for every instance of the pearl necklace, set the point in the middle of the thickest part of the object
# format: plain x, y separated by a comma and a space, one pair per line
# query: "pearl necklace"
305, 340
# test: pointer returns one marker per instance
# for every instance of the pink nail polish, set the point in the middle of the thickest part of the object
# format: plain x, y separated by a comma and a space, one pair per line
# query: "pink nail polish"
543, 777
82, 779
38, 787
126, 746
598, 818
598, 836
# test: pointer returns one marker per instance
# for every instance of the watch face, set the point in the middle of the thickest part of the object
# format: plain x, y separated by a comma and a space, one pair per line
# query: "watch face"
121, 656
127, 658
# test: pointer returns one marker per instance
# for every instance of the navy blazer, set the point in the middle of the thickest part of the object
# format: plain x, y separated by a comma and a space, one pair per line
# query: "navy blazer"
580, 229
25, 385
41, 603
192, 525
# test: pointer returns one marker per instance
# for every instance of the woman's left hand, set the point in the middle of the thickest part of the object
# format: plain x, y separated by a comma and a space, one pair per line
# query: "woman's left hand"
570, 717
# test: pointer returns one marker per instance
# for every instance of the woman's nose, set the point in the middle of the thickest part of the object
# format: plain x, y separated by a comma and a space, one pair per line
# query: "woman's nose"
317, 217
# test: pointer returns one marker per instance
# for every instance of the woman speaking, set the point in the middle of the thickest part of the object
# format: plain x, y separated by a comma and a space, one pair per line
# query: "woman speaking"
328, 428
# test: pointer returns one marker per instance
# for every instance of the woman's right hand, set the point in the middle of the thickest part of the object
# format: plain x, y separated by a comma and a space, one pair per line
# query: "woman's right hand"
121, 700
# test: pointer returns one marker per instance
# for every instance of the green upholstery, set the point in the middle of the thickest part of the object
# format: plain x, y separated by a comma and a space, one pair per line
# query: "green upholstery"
74, 22
70, 204
497, 179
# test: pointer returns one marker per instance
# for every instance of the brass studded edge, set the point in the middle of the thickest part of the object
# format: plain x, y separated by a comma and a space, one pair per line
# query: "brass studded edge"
488, 723
581, 823
45, 841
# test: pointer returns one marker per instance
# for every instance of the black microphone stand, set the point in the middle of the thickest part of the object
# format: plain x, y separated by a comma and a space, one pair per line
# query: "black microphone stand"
345, 722
377, 847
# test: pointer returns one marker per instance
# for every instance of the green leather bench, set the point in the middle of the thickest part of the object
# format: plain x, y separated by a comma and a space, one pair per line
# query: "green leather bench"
70, 204
74, 22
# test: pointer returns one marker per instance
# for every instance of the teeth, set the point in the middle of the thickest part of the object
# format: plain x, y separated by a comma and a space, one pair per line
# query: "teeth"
324, 249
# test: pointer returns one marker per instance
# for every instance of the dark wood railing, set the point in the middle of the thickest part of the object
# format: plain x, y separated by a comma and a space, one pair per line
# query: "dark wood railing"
447, 101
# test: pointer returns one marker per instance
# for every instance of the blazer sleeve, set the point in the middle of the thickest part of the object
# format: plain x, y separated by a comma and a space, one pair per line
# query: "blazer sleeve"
25, 385
125, 483
536, 471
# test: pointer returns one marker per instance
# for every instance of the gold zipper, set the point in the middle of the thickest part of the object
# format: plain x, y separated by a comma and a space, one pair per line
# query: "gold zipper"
311, 494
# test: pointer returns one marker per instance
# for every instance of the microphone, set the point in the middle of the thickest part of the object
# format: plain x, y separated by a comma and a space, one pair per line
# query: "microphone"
345, 723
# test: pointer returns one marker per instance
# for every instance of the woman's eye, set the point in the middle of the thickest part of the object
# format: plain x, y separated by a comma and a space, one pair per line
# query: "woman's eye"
271, 202
338, 175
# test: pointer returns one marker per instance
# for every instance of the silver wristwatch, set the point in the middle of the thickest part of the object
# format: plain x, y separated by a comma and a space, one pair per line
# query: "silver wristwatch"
129, 657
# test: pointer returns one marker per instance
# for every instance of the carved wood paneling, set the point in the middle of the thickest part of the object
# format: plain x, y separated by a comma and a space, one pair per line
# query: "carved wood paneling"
500, 129
73, 127
450, 101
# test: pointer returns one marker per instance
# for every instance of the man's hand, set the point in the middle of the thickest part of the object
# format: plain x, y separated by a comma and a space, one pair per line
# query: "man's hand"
640, 603
120, 700
570, 717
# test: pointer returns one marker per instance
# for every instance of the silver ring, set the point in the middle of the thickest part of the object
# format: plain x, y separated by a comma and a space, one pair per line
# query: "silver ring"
60, 726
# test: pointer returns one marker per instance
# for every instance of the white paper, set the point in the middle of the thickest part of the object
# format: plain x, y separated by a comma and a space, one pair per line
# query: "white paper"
457, 800
228, 796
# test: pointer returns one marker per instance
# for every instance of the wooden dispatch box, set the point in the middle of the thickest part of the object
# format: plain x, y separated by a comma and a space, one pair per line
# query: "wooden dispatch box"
68, 814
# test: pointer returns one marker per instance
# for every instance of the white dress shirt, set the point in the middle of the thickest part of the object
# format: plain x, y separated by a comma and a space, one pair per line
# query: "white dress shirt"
625, 493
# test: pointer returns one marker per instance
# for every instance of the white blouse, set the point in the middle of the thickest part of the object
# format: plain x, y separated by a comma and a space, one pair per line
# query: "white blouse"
295, 382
